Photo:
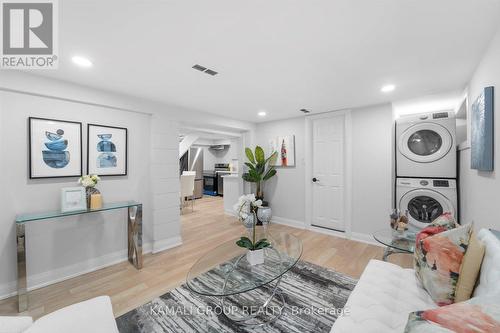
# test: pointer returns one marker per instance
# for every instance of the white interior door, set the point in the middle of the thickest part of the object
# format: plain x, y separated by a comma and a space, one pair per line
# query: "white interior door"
328, 174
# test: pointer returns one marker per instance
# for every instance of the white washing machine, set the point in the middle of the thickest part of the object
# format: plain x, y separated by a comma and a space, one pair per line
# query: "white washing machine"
426, 199
426, 145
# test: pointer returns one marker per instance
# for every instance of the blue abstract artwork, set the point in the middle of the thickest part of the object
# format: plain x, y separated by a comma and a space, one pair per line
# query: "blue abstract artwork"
56, 157
107, 150
482, 131
55, 148
107, 158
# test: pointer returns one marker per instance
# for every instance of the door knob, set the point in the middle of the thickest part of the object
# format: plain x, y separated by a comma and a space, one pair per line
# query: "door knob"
315, 180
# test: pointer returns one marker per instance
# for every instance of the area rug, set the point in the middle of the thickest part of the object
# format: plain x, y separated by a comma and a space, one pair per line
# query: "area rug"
314, 297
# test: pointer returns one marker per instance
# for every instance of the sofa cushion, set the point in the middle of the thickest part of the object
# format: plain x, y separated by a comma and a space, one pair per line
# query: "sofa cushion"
438, 259
94, 315
469, 272
15, 324
382, 299
479, 314
446, 221
490, 269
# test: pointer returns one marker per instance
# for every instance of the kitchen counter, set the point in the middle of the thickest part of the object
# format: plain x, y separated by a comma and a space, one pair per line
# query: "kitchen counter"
231, 175
233, 189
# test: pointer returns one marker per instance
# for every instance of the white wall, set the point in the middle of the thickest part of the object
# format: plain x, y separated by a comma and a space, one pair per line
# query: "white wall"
285, 191
62, 249
480, 191
431, 103
372, 169
55, 246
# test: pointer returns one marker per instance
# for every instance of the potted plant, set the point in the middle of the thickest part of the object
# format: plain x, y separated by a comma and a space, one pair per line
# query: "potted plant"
246, 208
260, 168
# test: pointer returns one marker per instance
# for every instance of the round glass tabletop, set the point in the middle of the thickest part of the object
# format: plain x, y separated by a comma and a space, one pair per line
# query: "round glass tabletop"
402, 241
225, 270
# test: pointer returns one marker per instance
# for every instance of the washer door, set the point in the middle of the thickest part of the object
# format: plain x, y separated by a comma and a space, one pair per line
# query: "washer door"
424, 206
425, 142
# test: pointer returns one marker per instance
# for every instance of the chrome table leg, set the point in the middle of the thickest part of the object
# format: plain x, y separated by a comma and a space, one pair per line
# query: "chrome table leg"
135, 236
389, 250
22, 291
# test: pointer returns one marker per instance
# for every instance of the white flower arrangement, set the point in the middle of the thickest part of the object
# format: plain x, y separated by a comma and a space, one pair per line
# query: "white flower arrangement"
247, 204
89, 180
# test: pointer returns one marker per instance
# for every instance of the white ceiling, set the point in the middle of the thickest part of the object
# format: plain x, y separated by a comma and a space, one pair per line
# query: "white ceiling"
279, 55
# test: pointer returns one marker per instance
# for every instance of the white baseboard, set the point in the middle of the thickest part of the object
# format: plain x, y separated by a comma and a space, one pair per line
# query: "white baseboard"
355, 236
67, 272
365, 238
288, 222
166, 244
64, 273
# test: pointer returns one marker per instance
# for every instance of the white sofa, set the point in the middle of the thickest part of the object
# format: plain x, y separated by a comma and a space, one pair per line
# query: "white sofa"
387, 293
94, 315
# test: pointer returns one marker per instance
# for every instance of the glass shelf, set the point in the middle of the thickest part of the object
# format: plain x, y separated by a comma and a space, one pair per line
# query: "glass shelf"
55, 214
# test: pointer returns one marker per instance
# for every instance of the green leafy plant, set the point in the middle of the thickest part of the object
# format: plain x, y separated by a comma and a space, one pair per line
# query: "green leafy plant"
260, 168
247, 243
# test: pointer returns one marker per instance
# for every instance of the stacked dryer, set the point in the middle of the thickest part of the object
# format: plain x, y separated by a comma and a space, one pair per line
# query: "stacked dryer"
426, 166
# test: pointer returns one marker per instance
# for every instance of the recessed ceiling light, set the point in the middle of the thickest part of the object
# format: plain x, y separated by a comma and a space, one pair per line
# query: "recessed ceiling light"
262, 113
82, 61
388, 88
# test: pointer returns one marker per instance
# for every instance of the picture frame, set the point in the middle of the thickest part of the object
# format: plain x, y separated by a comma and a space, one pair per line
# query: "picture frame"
107, 150
73, 199
285, 147
482, 128
55, 148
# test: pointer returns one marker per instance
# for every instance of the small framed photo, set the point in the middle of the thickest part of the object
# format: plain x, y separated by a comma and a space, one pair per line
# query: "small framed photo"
107, 151
73, 199
55, 148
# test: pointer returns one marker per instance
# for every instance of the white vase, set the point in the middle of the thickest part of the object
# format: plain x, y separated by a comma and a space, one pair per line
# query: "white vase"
255, 257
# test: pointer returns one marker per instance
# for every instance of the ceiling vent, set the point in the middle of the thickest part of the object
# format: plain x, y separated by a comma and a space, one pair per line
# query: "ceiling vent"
205, 70
199, 68
211, 72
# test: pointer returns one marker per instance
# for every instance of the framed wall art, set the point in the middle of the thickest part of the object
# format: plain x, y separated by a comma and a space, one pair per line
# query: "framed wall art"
285, 146
55, 148
482, 131
107, 151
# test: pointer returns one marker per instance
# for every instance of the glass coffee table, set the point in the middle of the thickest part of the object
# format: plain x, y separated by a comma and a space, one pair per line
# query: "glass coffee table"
396, 241
246, 294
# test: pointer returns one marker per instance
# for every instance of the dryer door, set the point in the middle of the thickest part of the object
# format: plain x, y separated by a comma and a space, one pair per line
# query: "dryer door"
424, 206
425, 142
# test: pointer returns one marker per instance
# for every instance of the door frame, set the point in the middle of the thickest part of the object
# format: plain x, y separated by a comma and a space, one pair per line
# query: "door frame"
347, 169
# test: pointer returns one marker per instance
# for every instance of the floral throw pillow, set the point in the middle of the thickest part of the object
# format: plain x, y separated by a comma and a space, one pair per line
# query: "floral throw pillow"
446, 221
437, 260
479, 314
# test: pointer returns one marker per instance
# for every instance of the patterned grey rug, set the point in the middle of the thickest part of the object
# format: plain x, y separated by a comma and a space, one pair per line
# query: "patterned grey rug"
314, 297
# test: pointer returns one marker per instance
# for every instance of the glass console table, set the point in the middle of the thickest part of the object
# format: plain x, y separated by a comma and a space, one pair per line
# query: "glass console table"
134, 239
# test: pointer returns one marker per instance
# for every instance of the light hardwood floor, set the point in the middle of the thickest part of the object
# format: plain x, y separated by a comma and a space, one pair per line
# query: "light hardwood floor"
202, 230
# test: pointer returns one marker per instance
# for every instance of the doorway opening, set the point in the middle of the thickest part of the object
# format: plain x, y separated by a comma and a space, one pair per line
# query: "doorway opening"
208, 158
